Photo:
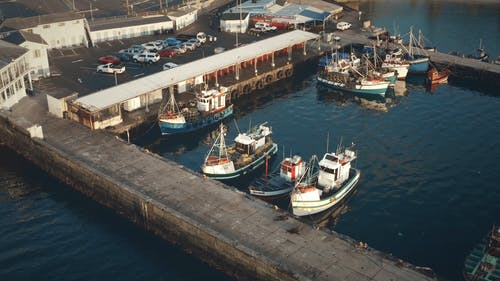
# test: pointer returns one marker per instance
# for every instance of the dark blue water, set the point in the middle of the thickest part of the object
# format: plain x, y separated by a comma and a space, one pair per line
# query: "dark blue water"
428, 192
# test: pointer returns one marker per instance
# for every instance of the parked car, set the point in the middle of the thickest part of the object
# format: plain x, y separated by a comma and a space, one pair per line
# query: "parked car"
110, 68
258, 30
343, 25
147, 57
152, 46
109, 59
188, 46
218, 50
124, 56
179, 49
171, 42
195, 41
134, 50
169, 65
266, 26
168, 52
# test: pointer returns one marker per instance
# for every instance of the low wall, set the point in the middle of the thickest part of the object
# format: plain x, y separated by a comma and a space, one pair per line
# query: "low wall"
205, 244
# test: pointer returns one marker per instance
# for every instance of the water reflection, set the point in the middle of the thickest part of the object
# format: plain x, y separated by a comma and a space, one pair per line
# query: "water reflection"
329, 218
369, 102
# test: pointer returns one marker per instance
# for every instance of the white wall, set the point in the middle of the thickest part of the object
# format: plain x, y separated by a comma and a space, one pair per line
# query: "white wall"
184, 20
62, 34
234, 25
38, 61
129, 32
12, 86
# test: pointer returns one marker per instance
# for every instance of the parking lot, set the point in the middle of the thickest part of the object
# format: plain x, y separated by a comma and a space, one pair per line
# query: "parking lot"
75, 68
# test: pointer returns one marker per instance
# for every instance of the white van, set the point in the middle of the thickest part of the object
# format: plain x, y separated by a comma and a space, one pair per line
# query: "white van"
265, 26
146, 57
343, 25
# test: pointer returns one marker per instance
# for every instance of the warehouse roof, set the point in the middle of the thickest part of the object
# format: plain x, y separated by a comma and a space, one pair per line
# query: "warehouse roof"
115, 95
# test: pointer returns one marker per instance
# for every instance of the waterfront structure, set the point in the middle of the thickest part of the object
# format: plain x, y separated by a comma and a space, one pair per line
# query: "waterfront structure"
107, 29
103, 108
14, 73
38, 62
183, 17
293, 13
234, 22
58, 30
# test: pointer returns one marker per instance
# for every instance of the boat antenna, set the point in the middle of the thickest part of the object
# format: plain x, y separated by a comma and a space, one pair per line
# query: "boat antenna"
236, 125
283, 151
339, 146
250, 125
327, 141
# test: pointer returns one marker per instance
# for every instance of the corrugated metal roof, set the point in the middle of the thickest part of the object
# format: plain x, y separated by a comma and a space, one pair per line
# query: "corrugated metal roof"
126, 22
9, 53
314, 15
29, 22
114, 95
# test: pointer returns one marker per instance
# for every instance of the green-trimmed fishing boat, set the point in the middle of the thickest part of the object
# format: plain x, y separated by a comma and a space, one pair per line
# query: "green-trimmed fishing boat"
250, 151
483, 262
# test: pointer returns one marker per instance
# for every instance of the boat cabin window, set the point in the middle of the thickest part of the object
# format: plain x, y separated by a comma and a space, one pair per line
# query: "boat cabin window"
330, 171
331, 158
244, 148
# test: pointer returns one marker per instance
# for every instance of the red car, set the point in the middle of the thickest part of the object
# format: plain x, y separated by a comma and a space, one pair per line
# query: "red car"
167, 53
109, 59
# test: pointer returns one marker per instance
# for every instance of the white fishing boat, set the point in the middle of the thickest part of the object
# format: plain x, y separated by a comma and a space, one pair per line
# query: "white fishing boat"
249, 151
336, 179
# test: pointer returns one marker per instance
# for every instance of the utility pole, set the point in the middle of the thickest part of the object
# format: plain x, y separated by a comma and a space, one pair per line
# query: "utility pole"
161, 6
128, 7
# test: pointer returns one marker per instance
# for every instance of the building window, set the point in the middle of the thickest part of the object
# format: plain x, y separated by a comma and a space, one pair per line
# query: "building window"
76, 21
37, 54
46, 26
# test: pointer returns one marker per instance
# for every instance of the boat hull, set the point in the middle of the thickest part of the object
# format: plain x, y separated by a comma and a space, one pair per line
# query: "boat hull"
377, 89
167, 128
245, 169
419, 65
305, 208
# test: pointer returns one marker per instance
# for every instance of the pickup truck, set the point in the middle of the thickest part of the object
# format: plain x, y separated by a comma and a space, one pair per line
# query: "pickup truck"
110, 68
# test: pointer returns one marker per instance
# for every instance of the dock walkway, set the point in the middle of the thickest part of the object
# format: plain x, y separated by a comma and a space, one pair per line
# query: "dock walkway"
223, 226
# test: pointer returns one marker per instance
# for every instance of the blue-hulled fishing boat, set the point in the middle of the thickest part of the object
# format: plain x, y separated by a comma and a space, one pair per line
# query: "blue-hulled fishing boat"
483, 262
211, 107
419, 63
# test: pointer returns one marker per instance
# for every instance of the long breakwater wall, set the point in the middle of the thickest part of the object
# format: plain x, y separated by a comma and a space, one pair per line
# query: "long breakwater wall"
244, 237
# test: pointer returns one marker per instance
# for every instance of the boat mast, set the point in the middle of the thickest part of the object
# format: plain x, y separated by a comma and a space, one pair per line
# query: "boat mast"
410, 43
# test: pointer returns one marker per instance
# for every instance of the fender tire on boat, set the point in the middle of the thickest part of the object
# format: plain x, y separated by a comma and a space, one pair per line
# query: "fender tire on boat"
289, 72
280, 74
259, 85
269, 79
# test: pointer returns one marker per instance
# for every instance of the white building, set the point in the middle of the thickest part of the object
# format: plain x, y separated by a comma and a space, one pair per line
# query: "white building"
59, 30
38, 61
14, 73
183, 17
128, 27
231, 22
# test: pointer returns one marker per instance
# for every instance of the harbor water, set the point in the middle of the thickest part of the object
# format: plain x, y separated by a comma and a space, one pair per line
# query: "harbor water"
427, 194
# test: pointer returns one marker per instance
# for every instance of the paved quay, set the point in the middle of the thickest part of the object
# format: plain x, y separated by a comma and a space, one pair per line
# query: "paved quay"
245, 237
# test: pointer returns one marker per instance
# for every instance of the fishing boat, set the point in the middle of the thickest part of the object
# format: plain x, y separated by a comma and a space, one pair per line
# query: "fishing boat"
481, 54
345, 77
419, 63
280, 182
395, 63
483, 262
336, 179
211, 107
249, 151
437, 77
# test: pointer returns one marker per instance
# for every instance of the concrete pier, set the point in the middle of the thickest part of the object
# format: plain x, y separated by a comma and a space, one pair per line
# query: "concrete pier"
244, 237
